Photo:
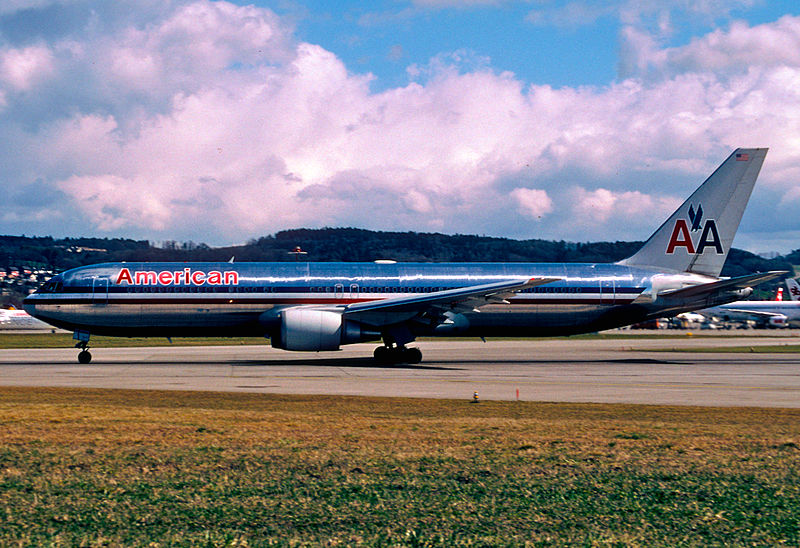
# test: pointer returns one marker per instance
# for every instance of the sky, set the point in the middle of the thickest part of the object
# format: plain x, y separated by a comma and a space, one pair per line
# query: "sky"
224, 121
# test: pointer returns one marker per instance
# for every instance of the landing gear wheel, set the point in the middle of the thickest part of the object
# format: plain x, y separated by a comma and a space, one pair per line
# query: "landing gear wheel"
383, 355
395, 355
412, 355
84, 357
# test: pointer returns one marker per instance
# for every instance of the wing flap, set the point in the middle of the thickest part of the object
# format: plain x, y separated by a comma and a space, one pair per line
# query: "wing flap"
462, 299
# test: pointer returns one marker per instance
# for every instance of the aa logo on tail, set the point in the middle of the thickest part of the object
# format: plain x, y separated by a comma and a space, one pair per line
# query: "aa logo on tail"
683, 231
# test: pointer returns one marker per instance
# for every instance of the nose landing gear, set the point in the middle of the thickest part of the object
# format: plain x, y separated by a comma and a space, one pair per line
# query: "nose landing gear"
84, 356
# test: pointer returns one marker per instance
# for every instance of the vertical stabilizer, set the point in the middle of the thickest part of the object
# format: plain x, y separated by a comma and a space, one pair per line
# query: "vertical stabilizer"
698, 236
794, 289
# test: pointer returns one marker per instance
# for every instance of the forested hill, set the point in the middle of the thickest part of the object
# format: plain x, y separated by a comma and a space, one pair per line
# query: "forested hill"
343, 244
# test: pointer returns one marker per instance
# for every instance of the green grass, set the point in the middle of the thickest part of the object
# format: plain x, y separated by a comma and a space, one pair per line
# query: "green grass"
129, 468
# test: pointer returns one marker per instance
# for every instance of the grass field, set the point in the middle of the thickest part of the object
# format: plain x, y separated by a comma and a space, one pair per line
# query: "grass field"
126, 468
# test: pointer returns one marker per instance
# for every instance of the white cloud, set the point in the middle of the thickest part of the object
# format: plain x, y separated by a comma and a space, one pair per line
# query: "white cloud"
21, 69
722, 52
533, 202
602, 205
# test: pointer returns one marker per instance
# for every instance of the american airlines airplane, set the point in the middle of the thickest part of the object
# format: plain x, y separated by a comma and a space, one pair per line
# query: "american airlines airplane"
307, 306
766, 313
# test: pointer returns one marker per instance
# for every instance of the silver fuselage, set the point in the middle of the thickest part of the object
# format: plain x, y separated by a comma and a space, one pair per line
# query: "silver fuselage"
245, 299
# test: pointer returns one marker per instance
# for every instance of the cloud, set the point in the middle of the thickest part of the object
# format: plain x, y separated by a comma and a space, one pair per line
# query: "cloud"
20, 69
602, 205
571, 14
732, 51
212, 122
533, 202
655, 15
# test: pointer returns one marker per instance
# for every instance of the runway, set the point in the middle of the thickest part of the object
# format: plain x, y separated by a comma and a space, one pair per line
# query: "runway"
621, 371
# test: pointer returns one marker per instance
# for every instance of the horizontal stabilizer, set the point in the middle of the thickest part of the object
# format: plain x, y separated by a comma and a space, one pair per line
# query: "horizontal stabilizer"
731, 284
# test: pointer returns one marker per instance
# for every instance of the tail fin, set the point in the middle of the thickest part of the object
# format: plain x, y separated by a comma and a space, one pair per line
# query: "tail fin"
698, 236
794, 289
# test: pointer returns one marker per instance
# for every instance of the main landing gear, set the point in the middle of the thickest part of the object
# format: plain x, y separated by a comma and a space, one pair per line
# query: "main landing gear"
397, 354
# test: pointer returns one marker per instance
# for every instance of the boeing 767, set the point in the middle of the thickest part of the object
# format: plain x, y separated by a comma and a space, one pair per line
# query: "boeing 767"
308, 306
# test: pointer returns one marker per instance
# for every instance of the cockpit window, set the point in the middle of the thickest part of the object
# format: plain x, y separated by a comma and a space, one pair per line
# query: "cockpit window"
52, 286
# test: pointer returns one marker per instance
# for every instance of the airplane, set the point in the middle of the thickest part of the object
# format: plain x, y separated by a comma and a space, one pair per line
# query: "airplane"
308, 306
777, 314
11, 318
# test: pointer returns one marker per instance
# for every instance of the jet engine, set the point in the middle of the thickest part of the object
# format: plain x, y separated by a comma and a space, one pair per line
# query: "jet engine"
311, 330
778, 321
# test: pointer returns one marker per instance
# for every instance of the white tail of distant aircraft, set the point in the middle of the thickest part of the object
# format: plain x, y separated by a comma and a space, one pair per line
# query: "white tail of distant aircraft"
306, 306
794, 289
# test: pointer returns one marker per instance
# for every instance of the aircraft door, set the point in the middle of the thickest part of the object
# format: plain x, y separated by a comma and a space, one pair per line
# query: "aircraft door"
353, 291
607, 293
99, 290
338, 291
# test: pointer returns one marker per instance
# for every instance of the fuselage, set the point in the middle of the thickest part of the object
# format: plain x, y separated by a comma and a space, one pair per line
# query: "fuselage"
245, 299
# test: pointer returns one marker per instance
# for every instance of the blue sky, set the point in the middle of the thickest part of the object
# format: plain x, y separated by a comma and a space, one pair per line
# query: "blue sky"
544, 42
223, 121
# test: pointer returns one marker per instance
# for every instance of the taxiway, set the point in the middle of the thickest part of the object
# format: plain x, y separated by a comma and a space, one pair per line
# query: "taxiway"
654, 371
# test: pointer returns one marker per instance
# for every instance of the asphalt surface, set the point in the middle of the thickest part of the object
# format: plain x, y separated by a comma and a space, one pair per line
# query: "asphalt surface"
622, 371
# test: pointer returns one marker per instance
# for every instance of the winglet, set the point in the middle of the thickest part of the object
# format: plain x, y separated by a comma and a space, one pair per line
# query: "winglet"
698, 235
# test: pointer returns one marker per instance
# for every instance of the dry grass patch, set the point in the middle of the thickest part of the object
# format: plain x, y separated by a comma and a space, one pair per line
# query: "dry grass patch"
185, 468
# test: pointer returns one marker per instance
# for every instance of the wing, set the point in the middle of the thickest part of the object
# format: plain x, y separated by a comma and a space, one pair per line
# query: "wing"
761, 314
432, 306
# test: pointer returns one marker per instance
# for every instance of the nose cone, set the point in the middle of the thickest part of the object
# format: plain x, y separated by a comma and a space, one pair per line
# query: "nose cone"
29, 304
29, 307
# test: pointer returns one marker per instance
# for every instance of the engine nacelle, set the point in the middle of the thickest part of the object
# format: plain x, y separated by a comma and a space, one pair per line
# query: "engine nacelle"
778, 321
309, 330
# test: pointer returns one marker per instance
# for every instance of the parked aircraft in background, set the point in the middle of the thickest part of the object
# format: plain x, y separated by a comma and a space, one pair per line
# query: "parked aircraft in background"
766, 313
308, 306
20, 320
